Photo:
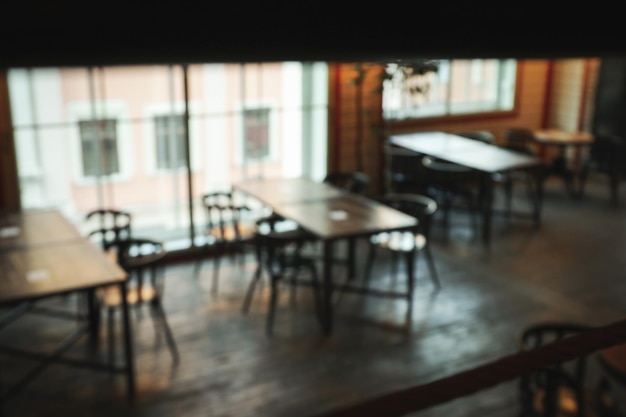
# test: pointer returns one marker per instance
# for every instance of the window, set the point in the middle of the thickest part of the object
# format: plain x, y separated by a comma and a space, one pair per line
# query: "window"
256, 133
459, 87
170, 141
98, 142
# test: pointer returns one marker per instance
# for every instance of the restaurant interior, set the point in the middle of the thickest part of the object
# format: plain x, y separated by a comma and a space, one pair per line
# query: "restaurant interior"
332, 224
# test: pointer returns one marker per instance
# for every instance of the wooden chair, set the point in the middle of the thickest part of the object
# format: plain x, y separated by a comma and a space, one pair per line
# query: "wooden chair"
421, 207
142, 260
560, 389
227, 230
280, 254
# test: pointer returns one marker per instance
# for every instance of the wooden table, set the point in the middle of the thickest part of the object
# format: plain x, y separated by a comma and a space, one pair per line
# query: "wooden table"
44, 255
563, 140
614, 361
34, 228
480, 156
330, 215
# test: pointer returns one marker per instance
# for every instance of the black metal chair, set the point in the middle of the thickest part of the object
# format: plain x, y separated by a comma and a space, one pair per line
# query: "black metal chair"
421, 207
453, 186
557, 390
142, 259
227, 230
354, 182
520, 140
484, 136
403, 171
607, 155
108, 226
280, 254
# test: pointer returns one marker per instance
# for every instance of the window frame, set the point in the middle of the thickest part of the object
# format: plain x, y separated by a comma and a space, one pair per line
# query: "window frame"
273, 131
182, 158
108, 109
95, 141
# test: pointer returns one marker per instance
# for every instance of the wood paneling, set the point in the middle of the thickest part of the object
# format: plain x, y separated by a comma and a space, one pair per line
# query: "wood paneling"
9, 190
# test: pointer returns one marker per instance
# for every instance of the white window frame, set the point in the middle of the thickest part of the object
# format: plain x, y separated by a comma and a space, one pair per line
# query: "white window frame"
272, 131
166, 108
110, 109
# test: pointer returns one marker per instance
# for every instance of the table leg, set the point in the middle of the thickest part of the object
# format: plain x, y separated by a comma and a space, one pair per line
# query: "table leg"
93, 316
538, 174
410, 269
128, 344
351, 258
328, 287
487, 203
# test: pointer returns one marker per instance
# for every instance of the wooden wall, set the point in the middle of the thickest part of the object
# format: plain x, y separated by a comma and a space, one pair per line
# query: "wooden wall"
9, 190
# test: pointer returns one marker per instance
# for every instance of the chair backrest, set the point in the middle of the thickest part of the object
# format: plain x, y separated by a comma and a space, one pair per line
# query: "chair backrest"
403, 170
519, 139
547, 381
479, 135
138, 257
223, 215
448, 174
108, 226
352, 182
419, 206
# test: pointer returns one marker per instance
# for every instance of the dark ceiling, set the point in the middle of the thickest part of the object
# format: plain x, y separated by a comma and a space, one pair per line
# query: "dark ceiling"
57, 34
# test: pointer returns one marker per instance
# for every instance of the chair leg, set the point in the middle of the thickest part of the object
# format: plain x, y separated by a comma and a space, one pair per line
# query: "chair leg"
158, 314
410, 269
216, 268
248, 299
430, 262
272, 306
370, 261
508, 199
200, 261
317, 288
111, 336
394, 265
614, 184
293, 288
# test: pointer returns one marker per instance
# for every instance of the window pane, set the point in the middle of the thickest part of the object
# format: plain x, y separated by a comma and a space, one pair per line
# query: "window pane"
459, 87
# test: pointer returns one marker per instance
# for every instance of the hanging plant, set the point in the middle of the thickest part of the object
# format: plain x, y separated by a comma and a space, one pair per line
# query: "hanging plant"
410, 74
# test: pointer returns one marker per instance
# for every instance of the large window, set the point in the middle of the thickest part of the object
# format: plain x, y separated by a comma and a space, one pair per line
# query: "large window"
170, 141
116, 137
98, 143
459, 87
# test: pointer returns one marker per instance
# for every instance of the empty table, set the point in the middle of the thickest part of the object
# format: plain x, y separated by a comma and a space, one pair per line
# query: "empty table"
480, 156
43, 255
330, 215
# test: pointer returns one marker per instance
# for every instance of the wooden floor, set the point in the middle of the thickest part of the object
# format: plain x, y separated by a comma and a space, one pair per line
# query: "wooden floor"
572, 268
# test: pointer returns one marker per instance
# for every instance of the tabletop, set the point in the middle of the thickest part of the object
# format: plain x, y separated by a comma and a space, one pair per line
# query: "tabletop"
562, 137
40, 271
35, 227
345, 216
324, 210
464, 151
278, 191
